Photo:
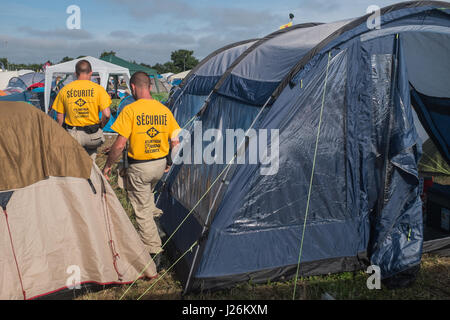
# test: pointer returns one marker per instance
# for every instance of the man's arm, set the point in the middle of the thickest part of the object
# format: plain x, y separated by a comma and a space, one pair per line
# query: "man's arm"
60, 118
106, 114
114, 154
174, 143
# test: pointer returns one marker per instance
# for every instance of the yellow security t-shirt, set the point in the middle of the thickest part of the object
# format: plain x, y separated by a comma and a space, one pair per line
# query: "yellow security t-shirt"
81, 101
148, 125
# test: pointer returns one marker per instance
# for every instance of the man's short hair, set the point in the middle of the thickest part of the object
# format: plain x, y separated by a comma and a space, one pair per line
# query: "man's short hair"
83, 66
140, 79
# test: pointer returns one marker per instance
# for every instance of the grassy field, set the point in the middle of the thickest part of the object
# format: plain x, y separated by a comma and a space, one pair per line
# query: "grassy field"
433, 281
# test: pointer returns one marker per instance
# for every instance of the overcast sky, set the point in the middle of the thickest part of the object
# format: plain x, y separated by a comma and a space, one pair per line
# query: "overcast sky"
149, 30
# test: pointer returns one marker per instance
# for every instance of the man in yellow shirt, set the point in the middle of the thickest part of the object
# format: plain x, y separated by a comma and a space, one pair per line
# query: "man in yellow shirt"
148, 125
80, 102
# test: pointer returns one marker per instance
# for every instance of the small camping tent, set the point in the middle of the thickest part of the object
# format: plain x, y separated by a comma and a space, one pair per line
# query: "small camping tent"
346, 192
5, 76
176, 79
59, 217
27, 80
99, 67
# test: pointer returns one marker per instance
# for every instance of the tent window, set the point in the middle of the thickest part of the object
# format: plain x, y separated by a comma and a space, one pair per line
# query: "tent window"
381, 71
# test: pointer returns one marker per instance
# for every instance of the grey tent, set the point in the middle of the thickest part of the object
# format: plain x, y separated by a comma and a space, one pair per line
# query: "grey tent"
26, 80
346, 192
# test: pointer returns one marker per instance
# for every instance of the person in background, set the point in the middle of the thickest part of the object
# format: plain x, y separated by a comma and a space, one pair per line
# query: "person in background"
78, 105
148, 125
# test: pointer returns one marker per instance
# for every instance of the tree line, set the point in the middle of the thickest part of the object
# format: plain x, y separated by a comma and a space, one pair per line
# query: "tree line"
181, 60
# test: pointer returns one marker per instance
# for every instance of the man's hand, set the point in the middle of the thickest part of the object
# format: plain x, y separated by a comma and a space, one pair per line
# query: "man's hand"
106, 172
167, 168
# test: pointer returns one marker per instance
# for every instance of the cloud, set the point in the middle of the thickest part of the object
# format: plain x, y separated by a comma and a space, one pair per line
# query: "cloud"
75, 34
38, 50
151, 8
122, 34
238, 18
168, 39
218, 18
149, 30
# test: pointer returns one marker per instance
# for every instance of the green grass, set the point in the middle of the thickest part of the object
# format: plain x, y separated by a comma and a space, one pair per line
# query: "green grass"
115, 104
433, 281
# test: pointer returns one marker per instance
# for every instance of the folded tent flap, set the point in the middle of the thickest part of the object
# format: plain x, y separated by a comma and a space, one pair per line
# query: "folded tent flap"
50, 150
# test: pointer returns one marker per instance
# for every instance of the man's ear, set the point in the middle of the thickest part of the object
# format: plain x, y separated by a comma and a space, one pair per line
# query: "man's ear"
90, 74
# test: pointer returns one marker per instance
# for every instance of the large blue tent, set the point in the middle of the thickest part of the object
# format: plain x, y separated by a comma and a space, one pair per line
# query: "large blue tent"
345, 194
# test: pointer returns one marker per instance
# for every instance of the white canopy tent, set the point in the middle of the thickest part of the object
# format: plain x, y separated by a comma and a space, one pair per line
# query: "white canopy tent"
102, 68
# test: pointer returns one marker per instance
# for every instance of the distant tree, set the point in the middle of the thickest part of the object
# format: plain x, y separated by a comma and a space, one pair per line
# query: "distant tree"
165, 68
148, 66
65, 59
4, 61
183, 60
80, 57
31, 66
158, 67
107, 53
145, 65
171, 67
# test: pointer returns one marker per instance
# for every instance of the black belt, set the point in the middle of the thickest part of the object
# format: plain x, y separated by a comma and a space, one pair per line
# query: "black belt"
88, 129
132, 161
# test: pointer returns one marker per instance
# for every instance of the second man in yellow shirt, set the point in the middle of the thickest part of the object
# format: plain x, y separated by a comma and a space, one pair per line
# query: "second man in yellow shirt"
148, 125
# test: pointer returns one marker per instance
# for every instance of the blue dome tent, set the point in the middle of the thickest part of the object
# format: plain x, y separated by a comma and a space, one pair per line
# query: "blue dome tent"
123, 103
346, 194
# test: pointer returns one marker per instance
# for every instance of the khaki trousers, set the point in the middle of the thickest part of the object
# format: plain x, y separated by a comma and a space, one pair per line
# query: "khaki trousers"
141, 179
90, 142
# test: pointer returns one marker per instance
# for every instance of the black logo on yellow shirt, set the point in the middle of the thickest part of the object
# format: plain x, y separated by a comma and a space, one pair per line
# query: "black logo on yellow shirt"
152, 132
80, 102
151, 119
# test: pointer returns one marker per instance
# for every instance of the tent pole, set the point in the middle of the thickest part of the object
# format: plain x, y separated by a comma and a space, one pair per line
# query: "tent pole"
205, 227
116, 85
155, 76
227, 169
384, 179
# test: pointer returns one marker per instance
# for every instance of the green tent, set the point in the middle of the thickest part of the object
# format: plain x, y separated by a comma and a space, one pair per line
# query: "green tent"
132, 67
